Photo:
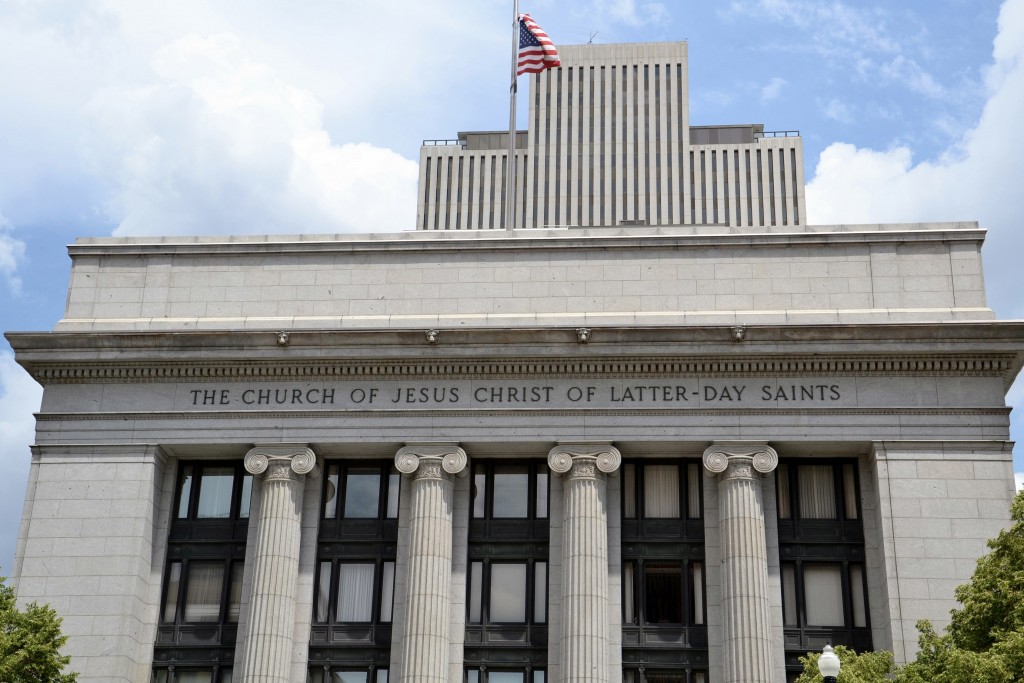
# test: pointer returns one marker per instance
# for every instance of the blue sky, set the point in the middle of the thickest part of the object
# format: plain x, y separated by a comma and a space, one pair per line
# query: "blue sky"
136, 117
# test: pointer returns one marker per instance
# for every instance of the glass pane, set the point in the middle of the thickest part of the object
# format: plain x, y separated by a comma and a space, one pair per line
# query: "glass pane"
859, 605
235, 592
226, 675
661, 491
663, 595
823, 595
355, 592
628, 593
184, 491
694, 506
542, 494
323, 593
193, 676
782, 491
629, 491
472, 676
697, 582
315, 676
629, 676
173, 585
817, 492
387, 591
475, 591
159, 676
789, 595
664, 677
349, 676
699, 677
511, 491
508, 593
362, 493
506, 676
394, 489
479, 492
215, 485
540, 592
540, 676
331, 492
243, 504
849, 492
382, 676
205, 583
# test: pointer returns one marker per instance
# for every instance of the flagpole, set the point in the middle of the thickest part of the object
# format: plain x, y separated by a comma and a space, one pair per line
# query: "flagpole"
510, 167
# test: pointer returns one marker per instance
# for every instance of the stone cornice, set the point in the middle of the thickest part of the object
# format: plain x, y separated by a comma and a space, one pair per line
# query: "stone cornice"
955, 365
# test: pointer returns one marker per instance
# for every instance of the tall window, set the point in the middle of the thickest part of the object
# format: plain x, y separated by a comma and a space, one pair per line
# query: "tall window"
353, 592
821, 549
664, 632
202, 586
507, 612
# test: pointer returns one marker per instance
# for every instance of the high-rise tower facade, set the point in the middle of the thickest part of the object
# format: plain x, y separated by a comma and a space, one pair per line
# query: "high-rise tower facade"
609, 142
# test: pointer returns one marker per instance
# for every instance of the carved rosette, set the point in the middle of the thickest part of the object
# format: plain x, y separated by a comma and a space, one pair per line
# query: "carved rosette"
431, 460
281, 463
740, 459
584, 460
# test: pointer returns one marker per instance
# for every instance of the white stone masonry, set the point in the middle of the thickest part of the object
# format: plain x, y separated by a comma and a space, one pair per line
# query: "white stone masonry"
427, 633
747, 641
267, 653
585, 631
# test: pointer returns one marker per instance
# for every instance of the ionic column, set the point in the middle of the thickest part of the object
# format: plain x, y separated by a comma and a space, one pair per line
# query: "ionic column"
585, 638
428, 602
747, 641
267, 649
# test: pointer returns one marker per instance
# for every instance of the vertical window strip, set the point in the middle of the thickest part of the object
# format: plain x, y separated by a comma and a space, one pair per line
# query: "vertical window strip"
427, 209
714, 186
850, 492
736, 181
760, 190
458, 195
796, 188
697, 593
447, 193
771, 185
703, 190
657, 142
750, 190
695, 507
782, 186
857, 596
670, 114
726, 199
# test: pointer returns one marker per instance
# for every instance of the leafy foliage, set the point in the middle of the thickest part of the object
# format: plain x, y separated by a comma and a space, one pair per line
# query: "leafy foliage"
30, 642
866, 667
984, 642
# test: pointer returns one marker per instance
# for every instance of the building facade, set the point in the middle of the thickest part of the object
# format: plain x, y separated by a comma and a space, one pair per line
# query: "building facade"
647, 454
609, 142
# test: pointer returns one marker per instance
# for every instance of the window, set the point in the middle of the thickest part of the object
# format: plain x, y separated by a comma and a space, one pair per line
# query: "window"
663, 580
353, 590
221, 674
648, 675
507, 591
821, 549
349, 675
507, 675
202, 582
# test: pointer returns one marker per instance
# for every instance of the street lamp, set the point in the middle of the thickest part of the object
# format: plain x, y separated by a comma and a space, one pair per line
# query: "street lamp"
828, 665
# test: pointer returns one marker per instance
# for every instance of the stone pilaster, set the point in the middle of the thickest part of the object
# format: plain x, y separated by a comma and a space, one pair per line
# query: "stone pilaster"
268, 644
585, 638
425, 641
746, 616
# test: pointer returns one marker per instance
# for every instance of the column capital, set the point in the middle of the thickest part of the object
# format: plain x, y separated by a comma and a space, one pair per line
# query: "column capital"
281, 462
584, 458
739, 459
431, 460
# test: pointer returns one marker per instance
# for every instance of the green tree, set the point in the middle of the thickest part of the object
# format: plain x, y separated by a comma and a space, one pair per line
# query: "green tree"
30, 642
866, 667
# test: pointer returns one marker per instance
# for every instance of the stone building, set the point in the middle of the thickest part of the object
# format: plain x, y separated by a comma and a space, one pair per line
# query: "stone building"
638, 454
609, 142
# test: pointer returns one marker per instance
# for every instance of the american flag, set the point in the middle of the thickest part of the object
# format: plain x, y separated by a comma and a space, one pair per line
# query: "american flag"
536, 51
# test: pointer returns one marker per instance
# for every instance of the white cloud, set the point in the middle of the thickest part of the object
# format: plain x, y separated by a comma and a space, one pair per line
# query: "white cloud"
975, 179
837, 110
772, 89
221, 143
19, 398
631, 12
12, 252
1018, 478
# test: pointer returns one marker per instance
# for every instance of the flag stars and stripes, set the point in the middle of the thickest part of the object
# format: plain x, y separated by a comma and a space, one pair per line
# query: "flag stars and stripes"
536, 51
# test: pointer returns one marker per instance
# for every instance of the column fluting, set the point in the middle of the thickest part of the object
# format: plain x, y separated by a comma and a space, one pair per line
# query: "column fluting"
428, 601
268, 644
585, 631
747, 636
